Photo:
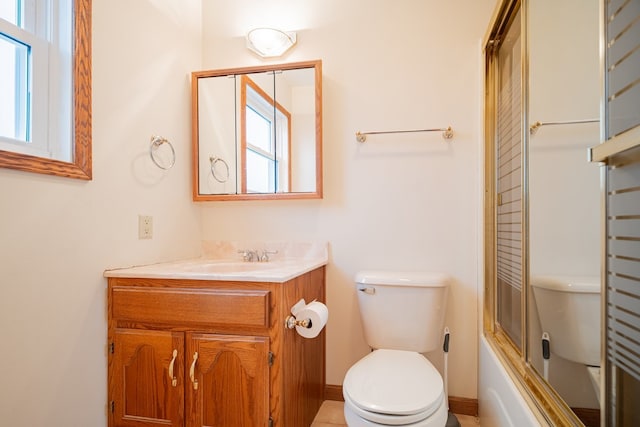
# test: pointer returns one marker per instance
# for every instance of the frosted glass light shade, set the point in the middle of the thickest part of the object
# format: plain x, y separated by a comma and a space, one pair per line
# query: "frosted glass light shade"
270, 42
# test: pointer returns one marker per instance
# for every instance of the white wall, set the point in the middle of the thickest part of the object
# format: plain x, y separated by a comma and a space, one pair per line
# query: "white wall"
395, 202
58, 235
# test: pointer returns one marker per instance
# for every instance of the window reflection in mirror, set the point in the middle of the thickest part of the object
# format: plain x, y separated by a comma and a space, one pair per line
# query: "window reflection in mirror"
257, 132
265, 129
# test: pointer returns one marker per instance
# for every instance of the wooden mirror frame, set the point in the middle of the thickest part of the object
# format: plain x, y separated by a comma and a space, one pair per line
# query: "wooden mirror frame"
81, 166
317, 194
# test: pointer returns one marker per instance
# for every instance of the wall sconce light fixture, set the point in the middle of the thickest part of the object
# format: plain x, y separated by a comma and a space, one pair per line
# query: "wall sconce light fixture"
270, 42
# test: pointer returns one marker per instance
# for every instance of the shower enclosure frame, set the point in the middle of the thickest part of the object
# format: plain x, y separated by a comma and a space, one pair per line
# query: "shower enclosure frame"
546, 404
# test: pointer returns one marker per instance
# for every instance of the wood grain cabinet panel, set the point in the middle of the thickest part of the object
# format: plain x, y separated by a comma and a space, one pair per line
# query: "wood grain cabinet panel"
139, 383
192, 306
197, 353
233, 381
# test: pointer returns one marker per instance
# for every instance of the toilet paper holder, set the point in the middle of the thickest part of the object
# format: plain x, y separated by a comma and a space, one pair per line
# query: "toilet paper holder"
291, 322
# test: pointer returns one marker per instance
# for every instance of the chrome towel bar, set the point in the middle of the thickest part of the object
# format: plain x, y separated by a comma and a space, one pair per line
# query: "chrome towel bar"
534, 127
447, 133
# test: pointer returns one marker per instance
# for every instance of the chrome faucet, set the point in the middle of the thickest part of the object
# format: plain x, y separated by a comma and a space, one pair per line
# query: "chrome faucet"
254, 255
265, 255
248, 255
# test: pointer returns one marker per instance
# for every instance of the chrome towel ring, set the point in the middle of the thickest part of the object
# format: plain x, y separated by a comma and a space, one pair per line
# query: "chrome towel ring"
156, 142
219, 175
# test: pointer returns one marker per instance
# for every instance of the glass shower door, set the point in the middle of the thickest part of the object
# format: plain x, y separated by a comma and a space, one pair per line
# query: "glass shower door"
509, 187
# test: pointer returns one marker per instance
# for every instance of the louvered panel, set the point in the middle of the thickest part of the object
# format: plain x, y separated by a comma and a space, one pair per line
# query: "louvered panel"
627, 228
623, 204
622, 246
624, 73
615, 4
508, 183
622, 116
626, 267
624, 111
622, 284
509, 211
623, 65
623, 268
509, 241
621, 30
624, 305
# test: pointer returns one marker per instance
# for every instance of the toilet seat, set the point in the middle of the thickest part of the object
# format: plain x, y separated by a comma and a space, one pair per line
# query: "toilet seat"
393, 387
375, 419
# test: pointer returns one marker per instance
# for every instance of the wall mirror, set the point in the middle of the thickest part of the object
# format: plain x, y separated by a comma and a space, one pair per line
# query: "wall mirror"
30, 139
564, 200
257, 132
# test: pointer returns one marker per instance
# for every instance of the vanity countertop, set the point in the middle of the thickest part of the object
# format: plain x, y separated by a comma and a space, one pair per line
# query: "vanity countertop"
217, 263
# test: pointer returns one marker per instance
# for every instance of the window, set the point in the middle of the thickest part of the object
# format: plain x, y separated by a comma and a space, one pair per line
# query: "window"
265, 129
14, 105
45, 86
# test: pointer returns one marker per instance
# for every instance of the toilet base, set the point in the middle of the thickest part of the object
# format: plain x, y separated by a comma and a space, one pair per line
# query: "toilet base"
452, 421
437, 419
594, 375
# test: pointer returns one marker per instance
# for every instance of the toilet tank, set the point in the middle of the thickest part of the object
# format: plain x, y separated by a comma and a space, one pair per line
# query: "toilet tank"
569, 311
402, 310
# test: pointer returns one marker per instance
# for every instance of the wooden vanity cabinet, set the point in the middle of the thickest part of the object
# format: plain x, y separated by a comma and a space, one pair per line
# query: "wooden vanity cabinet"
196, 353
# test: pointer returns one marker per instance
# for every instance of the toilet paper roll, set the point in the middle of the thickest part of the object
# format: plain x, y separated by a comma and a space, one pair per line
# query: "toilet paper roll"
298, 306
315, 311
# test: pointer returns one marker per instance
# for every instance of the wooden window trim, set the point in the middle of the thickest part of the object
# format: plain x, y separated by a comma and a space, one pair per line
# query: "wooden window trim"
81, 166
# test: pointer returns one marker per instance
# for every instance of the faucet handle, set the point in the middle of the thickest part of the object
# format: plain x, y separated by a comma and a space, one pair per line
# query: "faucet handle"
265, 255
247, 255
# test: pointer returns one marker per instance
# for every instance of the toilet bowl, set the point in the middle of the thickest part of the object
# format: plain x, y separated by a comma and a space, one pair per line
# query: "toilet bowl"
403, 316
394, 387
569, 312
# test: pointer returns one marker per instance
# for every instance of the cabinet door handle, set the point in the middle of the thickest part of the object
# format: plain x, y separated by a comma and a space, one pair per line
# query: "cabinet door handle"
192, 371
174, 380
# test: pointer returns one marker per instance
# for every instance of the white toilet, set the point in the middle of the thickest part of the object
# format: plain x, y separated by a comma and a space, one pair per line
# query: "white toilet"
403, 316
569, 311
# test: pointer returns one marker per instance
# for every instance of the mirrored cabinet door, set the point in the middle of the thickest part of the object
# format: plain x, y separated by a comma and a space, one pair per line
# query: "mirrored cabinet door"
257, 132
296, 89
216, 155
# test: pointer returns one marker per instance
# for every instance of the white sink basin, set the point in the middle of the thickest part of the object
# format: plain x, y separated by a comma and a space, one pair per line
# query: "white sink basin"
221, 260
231, 267
206, 269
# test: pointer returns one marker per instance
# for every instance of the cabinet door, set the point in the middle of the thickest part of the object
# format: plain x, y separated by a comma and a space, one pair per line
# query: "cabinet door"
230, 383
141, 389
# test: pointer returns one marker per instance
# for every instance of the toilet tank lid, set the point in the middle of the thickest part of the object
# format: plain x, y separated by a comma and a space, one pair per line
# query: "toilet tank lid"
577, 284
402, 278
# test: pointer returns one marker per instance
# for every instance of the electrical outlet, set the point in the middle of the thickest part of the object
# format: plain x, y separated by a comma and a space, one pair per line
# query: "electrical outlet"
145, 227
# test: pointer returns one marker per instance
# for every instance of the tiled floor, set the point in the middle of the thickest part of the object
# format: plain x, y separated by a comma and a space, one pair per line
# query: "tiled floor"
331, 415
